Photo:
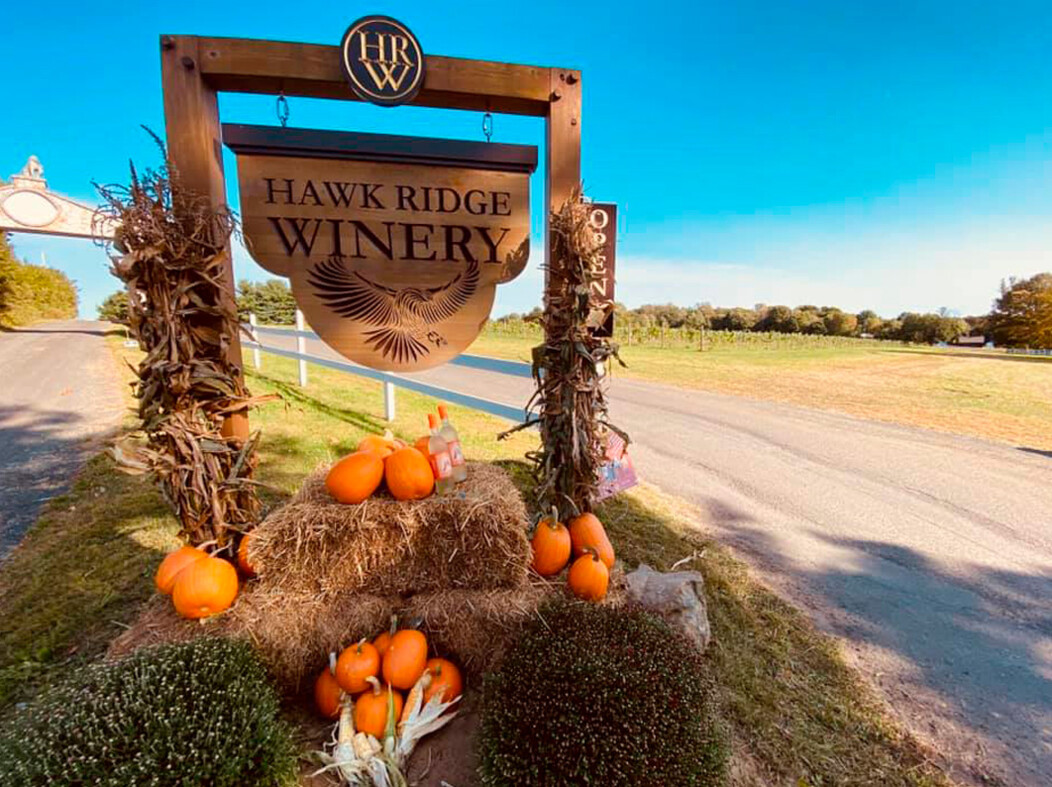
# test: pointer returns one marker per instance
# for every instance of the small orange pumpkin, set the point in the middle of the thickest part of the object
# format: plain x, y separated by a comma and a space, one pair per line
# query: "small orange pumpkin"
408, 474
383, 641
355, 477
587, 531
422, 445
378, 444
356, 665
204, 588
445, 680
242, 557
370, 709
406, 658
551, 546
174, 562
589, 576
327, 694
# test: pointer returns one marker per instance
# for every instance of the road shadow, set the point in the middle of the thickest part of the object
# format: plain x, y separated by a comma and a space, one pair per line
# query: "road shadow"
38, 460
1038, 451
977, 638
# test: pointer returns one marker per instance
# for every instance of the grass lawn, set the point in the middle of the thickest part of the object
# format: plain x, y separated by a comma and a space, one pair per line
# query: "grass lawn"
799, 715
990, 395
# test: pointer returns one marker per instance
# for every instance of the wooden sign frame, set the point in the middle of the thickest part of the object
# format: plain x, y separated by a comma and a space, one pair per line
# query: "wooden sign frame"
195, 69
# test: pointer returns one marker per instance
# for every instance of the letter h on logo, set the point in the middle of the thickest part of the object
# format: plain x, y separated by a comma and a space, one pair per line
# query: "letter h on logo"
392, 61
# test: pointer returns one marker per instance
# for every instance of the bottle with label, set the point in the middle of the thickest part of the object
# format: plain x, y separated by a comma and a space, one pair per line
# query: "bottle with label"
438, 454
456, 454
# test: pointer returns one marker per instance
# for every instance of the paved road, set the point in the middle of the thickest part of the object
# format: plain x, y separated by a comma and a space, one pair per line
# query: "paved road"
59, 394
930, 555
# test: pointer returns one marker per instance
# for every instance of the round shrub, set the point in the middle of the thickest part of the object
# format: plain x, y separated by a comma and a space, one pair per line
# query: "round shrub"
592, 695
189, 714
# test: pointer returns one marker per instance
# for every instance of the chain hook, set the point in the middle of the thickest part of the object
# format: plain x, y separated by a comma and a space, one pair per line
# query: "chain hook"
487, 126
283, 109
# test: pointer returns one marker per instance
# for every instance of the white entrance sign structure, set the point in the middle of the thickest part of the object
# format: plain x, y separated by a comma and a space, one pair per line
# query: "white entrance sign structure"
27, 205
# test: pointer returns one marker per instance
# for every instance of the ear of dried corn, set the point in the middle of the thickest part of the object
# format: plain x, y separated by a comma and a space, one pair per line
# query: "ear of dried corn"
570, 400
170, 252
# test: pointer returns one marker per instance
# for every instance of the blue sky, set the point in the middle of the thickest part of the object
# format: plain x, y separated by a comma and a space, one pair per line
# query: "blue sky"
886, 155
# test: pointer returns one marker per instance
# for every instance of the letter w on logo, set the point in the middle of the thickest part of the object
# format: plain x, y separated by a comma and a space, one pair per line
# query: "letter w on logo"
392, 65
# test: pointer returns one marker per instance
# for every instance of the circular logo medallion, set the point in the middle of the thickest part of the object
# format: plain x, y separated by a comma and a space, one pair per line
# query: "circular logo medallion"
382, 60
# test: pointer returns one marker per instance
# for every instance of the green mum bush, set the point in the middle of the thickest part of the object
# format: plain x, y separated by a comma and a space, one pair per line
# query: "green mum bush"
596, 696
191, 714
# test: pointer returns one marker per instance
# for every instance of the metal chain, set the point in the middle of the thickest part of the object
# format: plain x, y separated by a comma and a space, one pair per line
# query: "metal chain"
487, 126
283, 109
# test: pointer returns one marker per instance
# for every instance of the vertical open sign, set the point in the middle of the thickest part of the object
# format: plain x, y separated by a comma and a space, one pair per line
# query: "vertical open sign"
603, 218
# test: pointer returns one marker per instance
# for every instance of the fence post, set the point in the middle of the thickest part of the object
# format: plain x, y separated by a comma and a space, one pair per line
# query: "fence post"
301, 348
255, 338
389, 400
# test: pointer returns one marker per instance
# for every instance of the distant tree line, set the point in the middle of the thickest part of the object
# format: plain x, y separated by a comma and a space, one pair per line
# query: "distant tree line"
32, 292
1021, 315
810, 320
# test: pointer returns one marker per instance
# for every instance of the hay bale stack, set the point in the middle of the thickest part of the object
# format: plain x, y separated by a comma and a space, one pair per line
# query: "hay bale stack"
330, 574
473, 539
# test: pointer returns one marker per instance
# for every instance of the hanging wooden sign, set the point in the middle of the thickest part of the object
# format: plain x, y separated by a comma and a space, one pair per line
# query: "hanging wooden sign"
394, 245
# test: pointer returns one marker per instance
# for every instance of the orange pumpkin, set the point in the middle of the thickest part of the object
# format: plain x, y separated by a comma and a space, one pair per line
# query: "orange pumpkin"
422, 444
355, 666
408, 474
378, 444
242, 557
327, 694
445, 680
173, 564
589, 576
204, 588
370, 710
551, 546
406, 658
355, 477
383, 641
587, 531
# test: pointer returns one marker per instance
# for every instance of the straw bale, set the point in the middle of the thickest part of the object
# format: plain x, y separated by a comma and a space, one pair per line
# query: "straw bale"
472, 539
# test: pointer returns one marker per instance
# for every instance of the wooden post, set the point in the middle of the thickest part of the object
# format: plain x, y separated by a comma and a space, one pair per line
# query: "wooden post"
564, 153
301, 347
191, 118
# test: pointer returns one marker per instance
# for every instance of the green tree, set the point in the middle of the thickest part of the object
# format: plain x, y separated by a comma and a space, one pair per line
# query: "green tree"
869, 322
840, 323
780, 319
114, 308
270, 301
1022, 314
32, 292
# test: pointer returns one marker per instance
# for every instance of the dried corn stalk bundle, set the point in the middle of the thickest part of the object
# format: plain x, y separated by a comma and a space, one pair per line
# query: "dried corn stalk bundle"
568, 370
169, 250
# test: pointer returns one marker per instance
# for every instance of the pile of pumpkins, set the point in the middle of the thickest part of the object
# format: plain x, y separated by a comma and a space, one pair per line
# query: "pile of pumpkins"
398, 657
382, 459
586, 539
201, 585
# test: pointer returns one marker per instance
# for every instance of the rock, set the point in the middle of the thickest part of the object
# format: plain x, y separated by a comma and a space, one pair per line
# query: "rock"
679, 597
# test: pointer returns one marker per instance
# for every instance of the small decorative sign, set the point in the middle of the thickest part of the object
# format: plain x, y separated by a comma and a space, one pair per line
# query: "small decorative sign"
603, 218
394, 245
382, 60
617, 473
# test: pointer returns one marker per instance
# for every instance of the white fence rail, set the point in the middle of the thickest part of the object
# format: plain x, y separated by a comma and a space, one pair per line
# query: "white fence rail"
390, 381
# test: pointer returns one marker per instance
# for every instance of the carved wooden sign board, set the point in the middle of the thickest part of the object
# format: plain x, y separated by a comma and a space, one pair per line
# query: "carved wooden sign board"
394, 246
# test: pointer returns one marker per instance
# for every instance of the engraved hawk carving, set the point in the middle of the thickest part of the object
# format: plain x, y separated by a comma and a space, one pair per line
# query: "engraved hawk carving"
404, 317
